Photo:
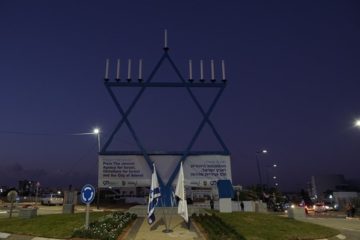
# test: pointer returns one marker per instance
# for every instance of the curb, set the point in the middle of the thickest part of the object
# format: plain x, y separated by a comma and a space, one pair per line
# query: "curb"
339, 236
9, 236
4, 235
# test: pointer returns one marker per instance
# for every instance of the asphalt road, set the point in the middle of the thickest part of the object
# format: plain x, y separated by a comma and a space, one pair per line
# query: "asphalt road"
42, 210
348, 227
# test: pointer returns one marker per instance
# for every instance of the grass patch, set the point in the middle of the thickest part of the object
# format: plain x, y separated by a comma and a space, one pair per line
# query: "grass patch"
258, 226
51, 226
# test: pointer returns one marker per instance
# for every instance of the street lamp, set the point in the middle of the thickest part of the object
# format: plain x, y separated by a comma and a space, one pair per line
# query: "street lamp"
264, 151
97, 132
357, 123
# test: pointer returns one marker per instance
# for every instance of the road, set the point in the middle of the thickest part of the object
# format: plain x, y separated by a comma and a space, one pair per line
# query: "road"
42, 210
348, 227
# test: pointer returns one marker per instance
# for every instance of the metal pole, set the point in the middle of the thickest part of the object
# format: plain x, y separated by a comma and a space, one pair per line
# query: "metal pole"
267, 177
258, 168
87, 216
98, 192
37, 193
98, 140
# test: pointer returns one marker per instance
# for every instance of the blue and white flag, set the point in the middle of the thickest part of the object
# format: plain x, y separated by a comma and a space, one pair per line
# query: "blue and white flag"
180, 193
153, 196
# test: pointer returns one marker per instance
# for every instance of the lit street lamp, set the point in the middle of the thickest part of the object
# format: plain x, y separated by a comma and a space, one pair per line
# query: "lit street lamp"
357, 123
97, 132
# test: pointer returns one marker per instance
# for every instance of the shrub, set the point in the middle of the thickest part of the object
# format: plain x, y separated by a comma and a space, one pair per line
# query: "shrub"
107, 228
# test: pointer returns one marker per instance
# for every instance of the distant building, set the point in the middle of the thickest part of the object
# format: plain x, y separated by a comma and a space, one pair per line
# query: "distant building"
342, 198
321, 185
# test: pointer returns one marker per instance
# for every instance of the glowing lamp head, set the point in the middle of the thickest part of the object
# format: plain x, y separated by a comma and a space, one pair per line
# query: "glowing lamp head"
96, 131
357, 123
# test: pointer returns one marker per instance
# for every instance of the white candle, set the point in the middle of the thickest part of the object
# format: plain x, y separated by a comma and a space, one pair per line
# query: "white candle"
140, 69
107, 69
190, 70
223, 69
118, 69
212, 70
201, 70
165, 32
129, 69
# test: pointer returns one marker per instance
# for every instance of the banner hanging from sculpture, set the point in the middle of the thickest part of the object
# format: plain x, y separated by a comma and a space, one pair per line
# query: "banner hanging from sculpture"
205, 170
133, 170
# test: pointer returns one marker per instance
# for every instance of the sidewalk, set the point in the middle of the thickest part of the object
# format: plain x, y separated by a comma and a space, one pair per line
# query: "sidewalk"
141, 230
8, 236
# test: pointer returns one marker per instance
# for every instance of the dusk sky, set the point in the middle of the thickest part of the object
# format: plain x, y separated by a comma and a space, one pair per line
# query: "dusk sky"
293, 70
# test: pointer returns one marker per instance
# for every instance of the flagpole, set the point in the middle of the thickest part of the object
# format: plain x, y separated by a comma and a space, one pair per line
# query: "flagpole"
167, 224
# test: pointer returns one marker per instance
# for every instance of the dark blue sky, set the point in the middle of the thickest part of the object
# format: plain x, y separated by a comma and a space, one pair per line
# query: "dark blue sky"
293, 84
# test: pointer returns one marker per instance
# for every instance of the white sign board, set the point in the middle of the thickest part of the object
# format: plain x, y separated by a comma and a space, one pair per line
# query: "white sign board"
205, 170
123, 171
133, 171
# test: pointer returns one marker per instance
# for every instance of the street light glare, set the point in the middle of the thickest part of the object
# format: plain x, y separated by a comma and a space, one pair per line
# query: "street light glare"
264, 151
96, 131
357, 123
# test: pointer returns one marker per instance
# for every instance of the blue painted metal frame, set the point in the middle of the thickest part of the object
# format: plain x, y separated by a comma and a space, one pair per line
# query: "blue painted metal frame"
166, 188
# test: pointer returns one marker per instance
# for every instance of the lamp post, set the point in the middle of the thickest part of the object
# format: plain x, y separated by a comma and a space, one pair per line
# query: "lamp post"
97, 132
37, 193
264, 151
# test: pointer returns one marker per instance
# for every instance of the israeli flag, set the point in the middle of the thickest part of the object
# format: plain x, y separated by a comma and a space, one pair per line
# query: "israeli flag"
153, 196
